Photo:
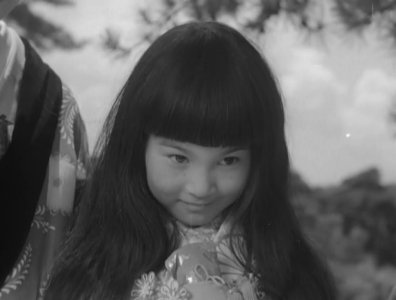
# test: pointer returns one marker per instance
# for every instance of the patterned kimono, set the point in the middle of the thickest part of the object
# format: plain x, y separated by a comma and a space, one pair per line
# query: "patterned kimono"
203, 268
65, 172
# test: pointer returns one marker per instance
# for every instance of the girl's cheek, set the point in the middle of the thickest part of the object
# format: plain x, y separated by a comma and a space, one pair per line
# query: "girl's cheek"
232, 184
168, 182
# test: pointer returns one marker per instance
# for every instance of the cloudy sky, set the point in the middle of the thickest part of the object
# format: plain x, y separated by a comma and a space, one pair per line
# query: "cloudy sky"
337, 90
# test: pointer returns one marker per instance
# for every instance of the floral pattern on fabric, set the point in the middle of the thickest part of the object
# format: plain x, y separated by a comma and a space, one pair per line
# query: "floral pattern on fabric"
19, 273
144, 287
39, 220
170, 290
230, 268
199, 234
202, 268
44, 285
69, 110
30, 275
162, 287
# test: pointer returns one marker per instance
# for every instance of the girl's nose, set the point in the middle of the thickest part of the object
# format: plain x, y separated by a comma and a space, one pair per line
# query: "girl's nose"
200, 184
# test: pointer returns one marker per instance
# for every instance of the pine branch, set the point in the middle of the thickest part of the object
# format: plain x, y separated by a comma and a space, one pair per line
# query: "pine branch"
41, 32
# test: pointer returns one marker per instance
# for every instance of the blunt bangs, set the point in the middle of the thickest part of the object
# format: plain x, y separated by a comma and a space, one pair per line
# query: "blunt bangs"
200, 94
206, 121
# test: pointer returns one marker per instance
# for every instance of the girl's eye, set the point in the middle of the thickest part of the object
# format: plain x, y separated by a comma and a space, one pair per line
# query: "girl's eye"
180, 159
229, 161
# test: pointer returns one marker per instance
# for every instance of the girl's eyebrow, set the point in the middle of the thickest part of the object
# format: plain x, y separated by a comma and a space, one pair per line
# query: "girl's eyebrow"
172, 144
175, 145
235, 149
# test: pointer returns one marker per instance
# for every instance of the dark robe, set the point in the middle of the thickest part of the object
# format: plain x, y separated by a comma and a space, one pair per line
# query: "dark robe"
23, 167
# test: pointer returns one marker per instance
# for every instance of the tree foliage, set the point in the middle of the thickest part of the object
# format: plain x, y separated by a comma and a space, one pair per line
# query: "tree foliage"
311, 16
41, 32
354, 226
249, 15
358, 216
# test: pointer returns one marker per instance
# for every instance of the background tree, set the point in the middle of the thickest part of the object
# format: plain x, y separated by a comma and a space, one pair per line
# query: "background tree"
41, 32
311, 16
249, 15
353, 224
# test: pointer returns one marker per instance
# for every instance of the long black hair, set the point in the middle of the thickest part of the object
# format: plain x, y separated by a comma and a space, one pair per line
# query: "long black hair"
206, 84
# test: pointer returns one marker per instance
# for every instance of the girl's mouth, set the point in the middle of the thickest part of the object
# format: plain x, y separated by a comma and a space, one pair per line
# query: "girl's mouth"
197, 205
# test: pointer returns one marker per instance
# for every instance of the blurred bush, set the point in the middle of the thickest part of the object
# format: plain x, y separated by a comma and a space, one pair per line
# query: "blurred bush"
354, 226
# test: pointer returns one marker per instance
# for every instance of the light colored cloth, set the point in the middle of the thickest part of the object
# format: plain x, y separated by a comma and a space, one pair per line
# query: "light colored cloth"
12, 61
66, 169
202, 268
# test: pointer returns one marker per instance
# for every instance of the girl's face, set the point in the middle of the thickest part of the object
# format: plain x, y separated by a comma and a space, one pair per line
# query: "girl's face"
194, 183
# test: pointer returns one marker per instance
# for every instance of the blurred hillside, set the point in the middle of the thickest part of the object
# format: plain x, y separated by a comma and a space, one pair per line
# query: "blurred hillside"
354, 226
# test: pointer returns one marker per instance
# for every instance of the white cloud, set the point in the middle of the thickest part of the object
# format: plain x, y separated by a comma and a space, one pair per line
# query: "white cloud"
313, 93
88, 18
302, 70
94, 105
374, 92
336, 125
366, 114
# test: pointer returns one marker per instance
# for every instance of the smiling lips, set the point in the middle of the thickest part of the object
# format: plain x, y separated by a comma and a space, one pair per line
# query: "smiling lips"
196, 205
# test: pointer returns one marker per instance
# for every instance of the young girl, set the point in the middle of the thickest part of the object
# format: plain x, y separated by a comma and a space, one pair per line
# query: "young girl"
189, 195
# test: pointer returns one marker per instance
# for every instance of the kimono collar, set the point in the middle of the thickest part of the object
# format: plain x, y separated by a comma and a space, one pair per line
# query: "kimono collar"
213, 231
